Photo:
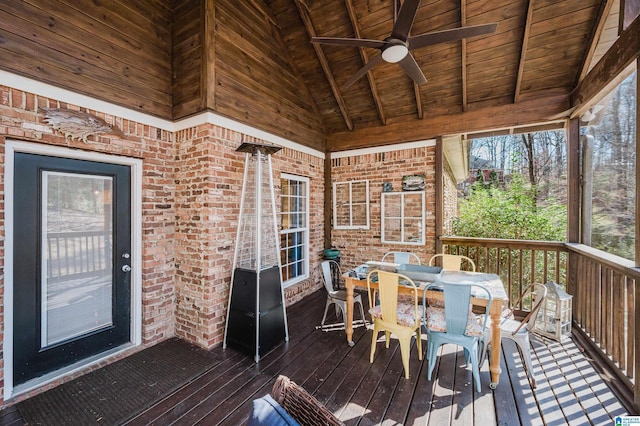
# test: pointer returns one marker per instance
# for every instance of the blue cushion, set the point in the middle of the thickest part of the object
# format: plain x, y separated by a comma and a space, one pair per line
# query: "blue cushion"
266, 411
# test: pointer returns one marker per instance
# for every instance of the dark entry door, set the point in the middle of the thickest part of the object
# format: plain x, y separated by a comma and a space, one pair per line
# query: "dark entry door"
72, 239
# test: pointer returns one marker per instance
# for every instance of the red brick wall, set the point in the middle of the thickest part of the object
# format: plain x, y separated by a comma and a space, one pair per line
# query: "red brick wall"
209, 175
191, 187
19, 120
359, 245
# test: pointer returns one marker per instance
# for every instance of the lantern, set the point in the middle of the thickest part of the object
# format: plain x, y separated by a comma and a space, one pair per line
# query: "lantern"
554, 316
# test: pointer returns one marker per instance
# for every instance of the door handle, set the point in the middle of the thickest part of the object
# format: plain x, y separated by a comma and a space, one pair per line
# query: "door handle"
126, 268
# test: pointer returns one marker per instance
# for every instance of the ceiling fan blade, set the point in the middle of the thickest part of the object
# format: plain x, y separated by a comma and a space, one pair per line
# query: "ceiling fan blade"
362, 71
455, 34
403, 24
410, 66
354, 42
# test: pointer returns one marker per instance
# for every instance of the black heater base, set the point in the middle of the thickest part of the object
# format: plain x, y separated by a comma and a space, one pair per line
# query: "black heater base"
251, 323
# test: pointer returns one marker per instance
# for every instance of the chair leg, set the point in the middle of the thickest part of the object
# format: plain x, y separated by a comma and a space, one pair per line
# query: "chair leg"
525, 351
364, 320
419, 343
374, 341
387, 335
405, 347
475, 368
432, 354
326, 308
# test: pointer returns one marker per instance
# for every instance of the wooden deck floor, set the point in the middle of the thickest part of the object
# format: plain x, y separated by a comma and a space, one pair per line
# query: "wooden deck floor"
569, 391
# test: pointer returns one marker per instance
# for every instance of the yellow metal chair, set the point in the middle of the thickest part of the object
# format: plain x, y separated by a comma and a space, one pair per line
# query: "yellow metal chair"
452, 262
402, 318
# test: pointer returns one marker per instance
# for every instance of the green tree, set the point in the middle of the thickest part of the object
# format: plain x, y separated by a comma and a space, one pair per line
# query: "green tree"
511, 213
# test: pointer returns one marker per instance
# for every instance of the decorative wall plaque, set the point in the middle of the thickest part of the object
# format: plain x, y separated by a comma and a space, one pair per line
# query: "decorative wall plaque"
77, 124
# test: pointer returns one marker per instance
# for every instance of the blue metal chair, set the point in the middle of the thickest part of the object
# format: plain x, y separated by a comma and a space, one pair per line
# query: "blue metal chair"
456, 323
401, 257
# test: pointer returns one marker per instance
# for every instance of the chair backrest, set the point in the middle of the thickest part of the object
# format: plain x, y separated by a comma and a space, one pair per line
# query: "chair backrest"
401, 257
539, 295
452, 262
457, 304
388, 284
327, 274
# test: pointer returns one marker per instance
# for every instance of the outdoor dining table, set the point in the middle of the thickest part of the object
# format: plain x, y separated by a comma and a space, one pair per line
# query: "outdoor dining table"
491, 281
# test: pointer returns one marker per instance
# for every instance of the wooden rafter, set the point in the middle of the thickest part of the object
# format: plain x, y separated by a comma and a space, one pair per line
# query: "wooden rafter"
603, 13
275, 32
365, 58
523, 51
609, 69
416, 90
311, 32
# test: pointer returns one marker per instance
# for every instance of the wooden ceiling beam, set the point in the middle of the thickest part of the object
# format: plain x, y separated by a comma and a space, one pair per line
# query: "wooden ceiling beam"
609, 69
594, 37
526, 113
353, 17
523, 51
311, 32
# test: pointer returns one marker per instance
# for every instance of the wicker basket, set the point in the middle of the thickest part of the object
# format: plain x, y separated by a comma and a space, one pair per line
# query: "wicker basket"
302, 406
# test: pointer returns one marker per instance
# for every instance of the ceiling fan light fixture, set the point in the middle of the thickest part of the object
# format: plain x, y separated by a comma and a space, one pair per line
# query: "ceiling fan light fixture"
395, 53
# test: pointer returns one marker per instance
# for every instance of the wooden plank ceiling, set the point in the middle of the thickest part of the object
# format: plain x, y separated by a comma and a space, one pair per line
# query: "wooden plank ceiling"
525, 70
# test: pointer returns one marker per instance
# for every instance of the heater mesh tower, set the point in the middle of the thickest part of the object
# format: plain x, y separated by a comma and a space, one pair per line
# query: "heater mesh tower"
256, 315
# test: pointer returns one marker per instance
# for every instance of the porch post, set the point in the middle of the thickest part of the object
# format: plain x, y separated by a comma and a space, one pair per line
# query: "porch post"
328, 212
439, 189
636, 390
573, 181
573, 201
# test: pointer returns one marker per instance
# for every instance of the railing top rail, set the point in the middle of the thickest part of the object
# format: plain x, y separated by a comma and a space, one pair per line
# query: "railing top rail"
617, 263
75, 234
498, 242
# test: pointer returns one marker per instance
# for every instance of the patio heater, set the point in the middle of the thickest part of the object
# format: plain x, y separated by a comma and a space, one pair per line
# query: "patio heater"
256, 315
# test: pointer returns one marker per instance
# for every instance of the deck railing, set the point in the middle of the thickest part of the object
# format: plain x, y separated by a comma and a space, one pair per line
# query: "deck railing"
517, 262
72, 255
605, 295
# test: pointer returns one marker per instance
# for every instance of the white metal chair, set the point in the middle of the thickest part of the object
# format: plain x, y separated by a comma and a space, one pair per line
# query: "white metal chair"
337, 297
452, 262
518, 331
401, 257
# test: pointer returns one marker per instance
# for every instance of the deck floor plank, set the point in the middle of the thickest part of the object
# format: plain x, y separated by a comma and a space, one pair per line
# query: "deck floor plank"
505, 396
570, 390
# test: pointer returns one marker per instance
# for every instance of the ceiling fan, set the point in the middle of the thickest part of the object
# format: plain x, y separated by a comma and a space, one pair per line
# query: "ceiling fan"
397, 47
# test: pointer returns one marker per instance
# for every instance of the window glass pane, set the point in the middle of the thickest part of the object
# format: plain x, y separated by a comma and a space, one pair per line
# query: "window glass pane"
293, 234
412, 205
76, 255
613, 201
359, 215
413, 230
392, 230
359, 192
392, 206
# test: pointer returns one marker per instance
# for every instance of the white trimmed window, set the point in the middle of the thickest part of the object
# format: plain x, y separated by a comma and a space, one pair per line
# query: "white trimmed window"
294, 228
351, 205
